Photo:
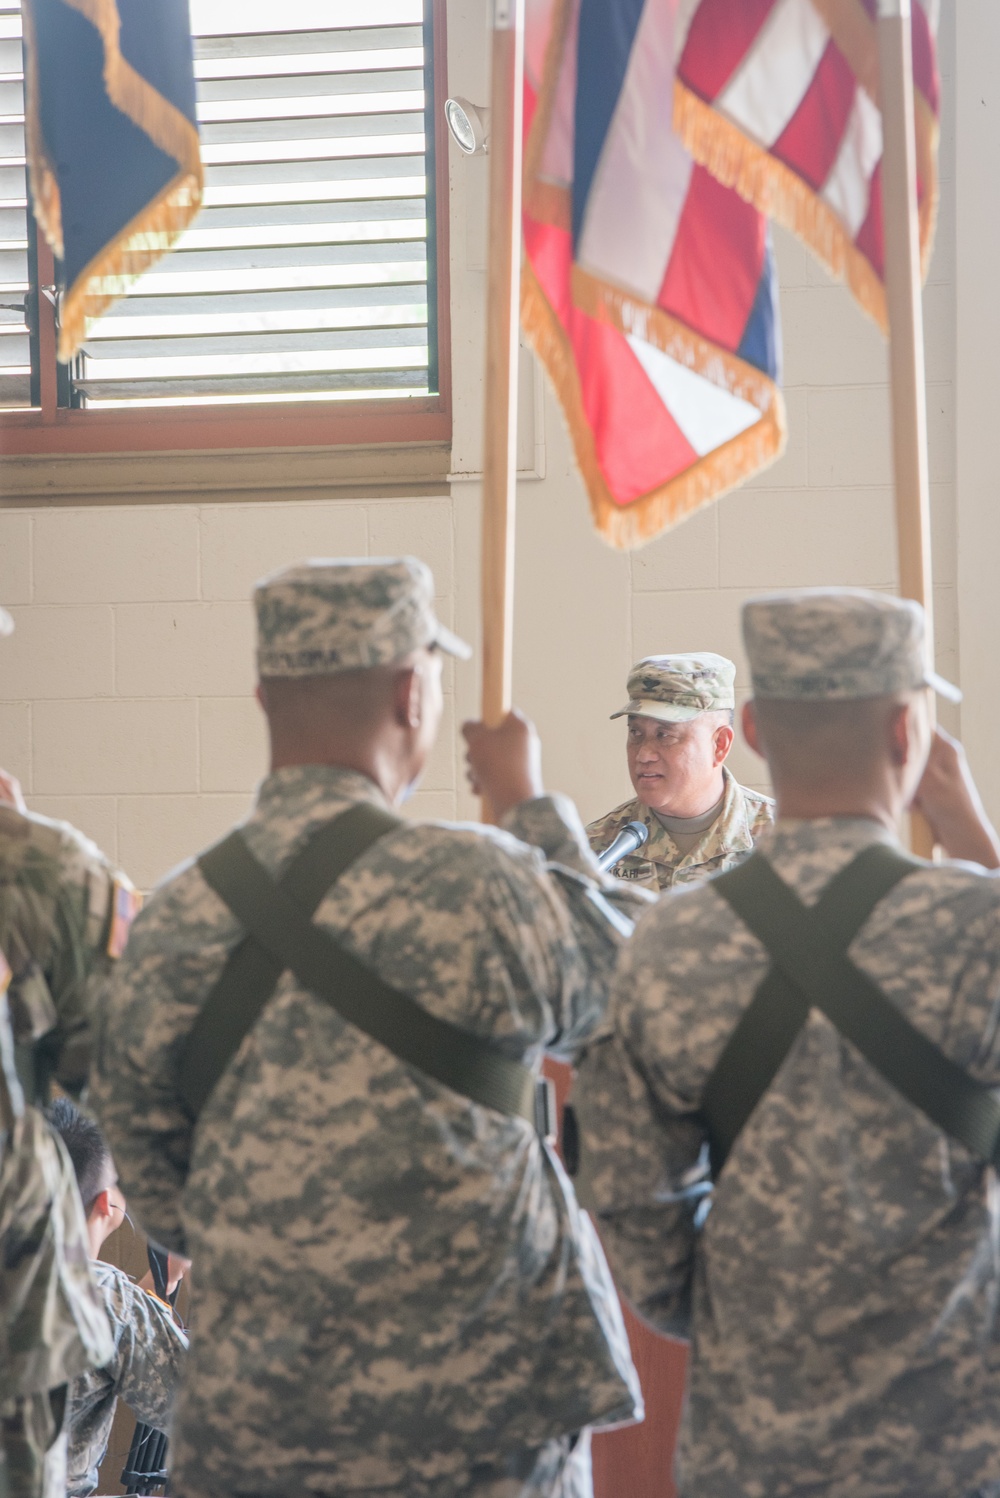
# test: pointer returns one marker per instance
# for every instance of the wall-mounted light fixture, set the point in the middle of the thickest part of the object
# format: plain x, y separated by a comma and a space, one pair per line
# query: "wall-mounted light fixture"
469, 126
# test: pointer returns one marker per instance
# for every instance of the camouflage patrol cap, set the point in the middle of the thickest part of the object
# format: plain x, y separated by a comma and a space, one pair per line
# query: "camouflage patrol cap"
344, 613
676, 688
838, 644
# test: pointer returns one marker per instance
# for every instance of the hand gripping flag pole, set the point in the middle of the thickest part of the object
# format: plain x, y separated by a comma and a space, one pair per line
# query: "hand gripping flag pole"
906, 327
502, 314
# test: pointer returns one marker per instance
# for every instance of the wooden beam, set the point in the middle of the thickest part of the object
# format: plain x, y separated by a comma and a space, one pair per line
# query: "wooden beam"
502, 338
906, 325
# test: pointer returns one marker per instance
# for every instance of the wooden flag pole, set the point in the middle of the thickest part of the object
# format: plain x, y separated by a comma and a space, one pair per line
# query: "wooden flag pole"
502, 323
906, 325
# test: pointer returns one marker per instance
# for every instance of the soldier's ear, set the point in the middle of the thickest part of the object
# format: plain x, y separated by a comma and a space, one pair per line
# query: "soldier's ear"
102, 1207
723, 737
902, 734
408, 697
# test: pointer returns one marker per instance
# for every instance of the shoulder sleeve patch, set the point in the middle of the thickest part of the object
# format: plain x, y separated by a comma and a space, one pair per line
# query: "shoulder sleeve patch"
126, 902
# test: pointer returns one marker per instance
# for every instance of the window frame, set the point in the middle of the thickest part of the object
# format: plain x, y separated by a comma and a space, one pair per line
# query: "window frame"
52, 430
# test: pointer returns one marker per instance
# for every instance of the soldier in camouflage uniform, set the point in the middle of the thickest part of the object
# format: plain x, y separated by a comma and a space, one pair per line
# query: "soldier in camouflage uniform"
63, 919
394, 1288
149, 1346
52, 1326
842, 1294
700, 819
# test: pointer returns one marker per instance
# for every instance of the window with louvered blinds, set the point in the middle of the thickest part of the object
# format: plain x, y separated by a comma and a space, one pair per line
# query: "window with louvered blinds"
309, 273
15, 270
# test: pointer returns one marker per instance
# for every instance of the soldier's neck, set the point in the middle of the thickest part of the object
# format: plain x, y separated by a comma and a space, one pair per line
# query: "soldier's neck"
377, 763
810, 803
696, 801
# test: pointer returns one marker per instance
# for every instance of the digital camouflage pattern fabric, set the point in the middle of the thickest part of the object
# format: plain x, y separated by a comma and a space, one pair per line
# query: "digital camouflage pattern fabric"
144, 1370
394, 1288
51, 1324
842, 1297
33, 1446
326, 616
836, 644
56, 892
677, 688
56, 907
660, 864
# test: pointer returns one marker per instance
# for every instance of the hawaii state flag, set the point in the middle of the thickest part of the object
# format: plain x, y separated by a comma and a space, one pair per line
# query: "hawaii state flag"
112, 140
648, 288
661, 137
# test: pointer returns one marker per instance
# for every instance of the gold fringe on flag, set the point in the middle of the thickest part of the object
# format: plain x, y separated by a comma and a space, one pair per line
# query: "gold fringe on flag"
41, 174
850, 26
610, 304
548, 203
927, 134
151, 233
775, 189
625, 526
852, 29
555, 46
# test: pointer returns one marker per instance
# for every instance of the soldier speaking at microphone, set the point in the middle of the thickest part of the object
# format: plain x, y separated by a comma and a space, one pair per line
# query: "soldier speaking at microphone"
698, 818
790, 1123
394, 1289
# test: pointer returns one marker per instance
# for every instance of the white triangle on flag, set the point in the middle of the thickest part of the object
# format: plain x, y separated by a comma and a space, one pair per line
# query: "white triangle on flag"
706, 414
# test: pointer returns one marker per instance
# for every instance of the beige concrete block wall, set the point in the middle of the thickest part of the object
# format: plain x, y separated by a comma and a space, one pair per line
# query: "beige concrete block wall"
134, 716
126, 695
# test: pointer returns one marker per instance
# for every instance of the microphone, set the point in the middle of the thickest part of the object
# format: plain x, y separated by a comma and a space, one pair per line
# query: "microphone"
632, 836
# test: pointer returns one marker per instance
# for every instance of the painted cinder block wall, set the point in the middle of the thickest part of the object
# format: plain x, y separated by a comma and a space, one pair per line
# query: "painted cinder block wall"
126, 694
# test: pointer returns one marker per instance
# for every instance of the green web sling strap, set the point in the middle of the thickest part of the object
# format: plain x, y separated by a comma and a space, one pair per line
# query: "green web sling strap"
277, 915
810, 968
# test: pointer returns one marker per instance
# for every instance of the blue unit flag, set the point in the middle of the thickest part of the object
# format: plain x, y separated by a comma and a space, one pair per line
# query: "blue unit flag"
112, 138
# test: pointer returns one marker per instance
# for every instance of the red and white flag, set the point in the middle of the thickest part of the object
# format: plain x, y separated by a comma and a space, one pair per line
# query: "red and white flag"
780, 99
661, 135
648, 288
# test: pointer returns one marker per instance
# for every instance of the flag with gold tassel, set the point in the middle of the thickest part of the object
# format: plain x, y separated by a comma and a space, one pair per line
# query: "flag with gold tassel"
113, 152
649, 289
662, 136
779, 99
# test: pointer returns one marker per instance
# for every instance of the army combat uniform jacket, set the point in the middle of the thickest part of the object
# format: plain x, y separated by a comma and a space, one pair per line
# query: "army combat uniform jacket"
52, 1325
394, 1288
144, 1370
842, 1297
659, 864
63, 918
52, 1322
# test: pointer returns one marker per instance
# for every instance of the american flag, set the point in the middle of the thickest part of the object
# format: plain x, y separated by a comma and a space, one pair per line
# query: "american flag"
660, 134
